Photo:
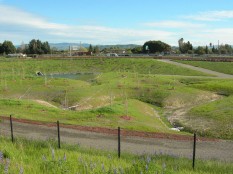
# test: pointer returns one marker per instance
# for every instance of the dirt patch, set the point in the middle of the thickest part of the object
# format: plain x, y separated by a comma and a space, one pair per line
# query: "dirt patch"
44, 103
125, 117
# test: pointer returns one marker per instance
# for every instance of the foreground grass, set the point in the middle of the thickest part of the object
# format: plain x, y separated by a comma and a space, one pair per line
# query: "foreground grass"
37, 157
223, 67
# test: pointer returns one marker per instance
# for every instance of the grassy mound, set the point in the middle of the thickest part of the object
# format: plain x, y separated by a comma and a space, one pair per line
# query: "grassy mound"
215, 118
131, 115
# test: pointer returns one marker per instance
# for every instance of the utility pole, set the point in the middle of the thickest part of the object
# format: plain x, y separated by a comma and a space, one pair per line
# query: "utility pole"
70, 50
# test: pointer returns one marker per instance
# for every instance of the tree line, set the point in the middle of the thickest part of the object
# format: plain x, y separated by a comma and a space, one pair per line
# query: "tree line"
187, 48
149, 47
33, 47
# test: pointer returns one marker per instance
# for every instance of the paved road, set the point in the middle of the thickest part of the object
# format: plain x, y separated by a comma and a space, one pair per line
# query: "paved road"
207, 71
220, 150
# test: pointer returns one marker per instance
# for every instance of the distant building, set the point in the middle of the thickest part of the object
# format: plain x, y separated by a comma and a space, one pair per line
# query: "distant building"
17, 55
82, 53
112, 55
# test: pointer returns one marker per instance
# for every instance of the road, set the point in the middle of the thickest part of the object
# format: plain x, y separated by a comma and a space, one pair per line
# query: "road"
219, 150
207, 71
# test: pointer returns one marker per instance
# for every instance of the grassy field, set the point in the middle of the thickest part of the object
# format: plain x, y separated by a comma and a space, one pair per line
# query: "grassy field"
37, 157
136, 65
145, 90
223, 67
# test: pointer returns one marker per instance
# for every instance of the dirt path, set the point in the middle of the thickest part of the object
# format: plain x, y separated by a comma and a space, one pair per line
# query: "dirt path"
220, 150
207, 71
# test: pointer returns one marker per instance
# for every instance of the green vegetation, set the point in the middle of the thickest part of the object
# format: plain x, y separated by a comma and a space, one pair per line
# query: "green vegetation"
155, 47
28, 67
214, 117
7, 47
136, 94
223, 67
28, 157
142, 116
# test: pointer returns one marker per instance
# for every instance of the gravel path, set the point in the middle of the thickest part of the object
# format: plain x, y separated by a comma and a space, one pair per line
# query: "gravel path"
207, 71
219, 150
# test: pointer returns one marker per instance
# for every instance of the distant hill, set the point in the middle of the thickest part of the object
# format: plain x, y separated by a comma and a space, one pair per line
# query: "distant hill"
65, 46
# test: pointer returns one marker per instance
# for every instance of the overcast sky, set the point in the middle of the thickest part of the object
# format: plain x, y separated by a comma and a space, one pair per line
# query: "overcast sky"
117, 21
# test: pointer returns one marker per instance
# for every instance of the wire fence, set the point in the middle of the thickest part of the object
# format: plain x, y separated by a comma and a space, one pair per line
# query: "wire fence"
119, 140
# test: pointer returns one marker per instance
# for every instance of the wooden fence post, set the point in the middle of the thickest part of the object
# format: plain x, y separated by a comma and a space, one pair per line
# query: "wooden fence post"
11, 124
119, 142
58, 135
194, 149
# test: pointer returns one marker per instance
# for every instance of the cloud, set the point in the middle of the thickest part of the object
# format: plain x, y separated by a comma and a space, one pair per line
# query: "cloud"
173, 24
18, 25
11, 15
23, 25
211, 15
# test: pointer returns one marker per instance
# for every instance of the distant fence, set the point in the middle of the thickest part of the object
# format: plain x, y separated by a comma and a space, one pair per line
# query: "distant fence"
118, 139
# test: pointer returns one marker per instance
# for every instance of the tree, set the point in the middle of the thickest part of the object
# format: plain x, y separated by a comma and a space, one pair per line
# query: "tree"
37, 47
184, 47
206, 50
90, 49
155, 47
7, 47
225, 49
200, 50
96, 50
46, 48
214, 50
136, 50
32, 47
1, 49
181, 44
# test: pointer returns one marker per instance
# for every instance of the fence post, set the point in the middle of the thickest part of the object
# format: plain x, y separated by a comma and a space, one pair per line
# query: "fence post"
119, 142
58, 135
12, 136
194, 149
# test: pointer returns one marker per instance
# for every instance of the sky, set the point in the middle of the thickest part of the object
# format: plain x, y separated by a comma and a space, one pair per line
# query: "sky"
117, 21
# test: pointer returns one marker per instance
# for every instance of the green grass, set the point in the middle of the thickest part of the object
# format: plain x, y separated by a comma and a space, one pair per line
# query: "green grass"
223, 67
43, 157
213, 119
216, 117
221, 87
142, 66
138, 88
143, 117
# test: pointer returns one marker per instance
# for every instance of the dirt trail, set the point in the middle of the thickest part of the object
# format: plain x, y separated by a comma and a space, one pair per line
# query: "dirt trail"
219, 150
207, 71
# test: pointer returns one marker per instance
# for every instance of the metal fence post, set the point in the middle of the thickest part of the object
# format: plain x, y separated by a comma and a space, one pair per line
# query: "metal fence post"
119, 142
194, 149
12, 136
58, 135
